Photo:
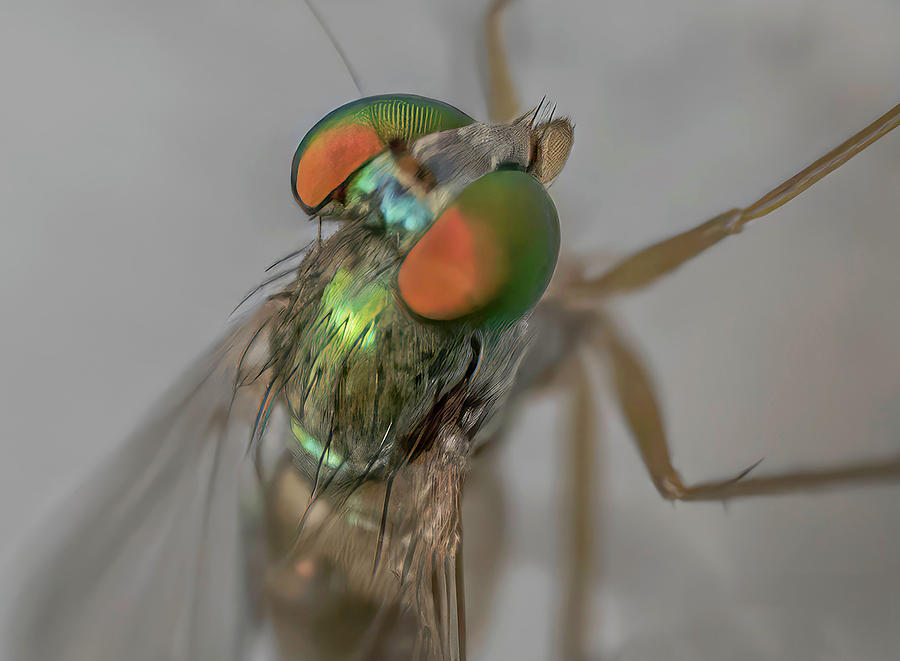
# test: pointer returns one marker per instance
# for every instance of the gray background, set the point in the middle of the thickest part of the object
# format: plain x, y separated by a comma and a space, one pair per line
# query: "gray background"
143, 180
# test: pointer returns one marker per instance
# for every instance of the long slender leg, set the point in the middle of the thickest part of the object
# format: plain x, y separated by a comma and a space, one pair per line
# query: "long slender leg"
575, 613
646, 266
636, 395
502, 103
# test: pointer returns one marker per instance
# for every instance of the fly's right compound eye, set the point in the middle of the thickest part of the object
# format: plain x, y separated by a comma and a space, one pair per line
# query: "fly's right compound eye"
488, 257
347, 138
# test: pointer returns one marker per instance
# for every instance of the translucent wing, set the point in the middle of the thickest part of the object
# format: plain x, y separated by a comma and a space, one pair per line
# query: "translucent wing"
151, 562
148, 562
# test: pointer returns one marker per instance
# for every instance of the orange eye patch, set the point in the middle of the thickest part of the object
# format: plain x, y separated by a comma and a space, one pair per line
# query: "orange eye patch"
331, 158
454, 269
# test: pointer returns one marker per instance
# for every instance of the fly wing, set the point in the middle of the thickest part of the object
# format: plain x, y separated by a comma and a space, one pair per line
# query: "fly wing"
148, 562
449, 606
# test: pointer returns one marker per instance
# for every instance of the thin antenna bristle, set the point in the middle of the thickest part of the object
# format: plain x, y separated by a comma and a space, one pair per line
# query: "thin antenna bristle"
337, 46
537, 109
548, 122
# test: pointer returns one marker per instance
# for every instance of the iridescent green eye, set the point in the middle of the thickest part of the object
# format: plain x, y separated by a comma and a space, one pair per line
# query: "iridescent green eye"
346, 138
488, 256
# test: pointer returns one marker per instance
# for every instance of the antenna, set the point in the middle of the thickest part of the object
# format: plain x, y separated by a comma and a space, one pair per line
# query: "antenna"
337, 47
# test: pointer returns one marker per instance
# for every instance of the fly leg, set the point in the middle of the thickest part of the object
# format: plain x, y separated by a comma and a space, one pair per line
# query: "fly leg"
636, 395
648, 265
633, 384
574, 624
502, 103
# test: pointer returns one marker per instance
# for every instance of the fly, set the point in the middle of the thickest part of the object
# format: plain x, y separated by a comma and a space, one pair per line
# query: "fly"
362, 388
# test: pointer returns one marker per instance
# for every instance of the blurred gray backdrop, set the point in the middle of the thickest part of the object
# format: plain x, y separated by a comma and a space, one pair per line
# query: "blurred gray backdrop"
146, 148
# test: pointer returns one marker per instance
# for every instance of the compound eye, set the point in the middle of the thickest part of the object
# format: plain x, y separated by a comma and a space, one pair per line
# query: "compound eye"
488, 257
346, 138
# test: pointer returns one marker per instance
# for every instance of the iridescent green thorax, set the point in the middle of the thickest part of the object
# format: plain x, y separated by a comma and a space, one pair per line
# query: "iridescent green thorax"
349, 311
360, 373
344, 328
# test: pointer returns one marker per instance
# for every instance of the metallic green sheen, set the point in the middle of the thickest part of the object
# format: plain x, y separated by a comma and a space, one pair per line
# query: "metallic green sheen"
359, 373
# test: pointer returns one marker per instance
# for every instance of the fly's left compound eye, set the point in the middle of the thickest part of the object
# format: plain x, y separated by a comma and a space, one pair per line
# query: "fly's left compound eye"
345, 139
488, 257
